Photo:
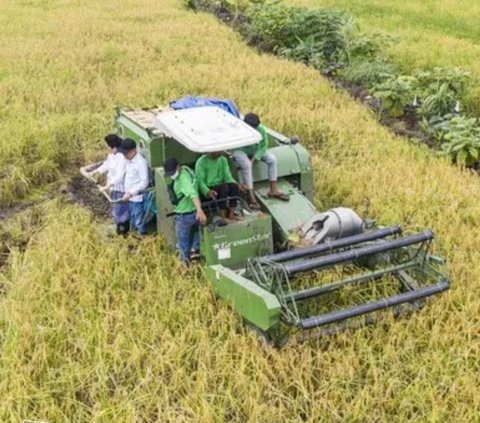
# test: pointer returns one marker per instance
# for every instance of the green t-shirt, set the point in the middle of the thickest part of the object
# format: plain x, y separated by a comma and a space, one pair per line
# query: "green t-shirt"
258, 150
185, 188
210, 172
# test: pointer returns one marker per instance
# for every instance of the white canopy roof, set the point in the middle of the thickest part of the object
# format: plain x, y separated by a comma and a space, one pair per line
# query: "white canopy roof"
206, 129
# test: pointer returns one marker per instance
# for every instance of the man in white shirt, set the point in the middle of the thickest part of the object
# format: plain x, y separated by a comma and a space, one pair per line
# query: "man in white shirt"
114, 167
136, 180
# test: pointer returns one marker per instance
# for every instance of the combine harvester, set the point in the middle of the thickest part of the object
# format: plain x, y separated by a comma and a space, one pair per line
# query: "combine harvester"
340, 272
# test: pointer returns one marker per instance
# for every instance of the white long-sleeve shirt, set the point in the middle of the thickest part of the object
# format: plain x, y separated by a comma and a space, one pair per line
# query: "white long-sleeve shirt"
114, 167
136, 177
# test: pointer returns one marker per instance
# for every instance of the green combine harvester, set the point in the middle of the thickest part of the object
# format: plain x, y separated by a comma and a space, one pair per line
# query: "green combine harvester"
288, 268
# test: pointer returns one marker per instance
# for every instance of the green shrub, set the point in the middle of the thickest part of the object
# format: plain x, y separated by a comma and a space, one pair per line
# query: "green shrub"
440, 89
312, 36
459, 137
360, 45
439, 103
233, 6
368, 73
395, 93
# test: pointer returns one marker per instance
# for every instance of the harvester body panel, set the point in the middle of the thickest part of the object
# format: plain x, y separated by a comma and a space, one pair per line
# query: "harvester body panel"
288, 217
233, 244
258, 306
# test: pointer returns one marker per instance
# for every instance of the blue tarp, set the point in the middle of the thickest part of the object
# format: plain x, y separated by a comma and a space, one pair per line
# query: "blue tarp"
190, 101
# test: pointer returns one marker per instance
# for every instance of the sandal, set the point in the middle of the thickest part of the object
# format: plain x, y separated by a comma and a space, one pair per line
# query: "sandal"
254, 206
280, 196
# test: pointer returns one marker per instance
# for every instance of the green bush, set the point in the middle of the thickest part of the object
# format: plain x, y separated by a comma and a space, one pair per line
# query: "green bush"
331, 41
312, 36
368, 73
395, 93
459, 137
440, 89
233, 6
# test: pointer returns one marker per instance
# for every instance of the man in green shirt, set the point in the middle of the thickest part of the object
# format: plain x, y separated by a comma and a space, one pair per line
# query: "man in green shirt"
216, 183
187, 207
245, 158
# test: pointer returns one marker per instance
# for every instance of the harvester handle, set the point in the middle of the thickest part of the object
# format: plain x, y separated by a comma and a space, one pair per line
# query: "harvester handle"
85, 171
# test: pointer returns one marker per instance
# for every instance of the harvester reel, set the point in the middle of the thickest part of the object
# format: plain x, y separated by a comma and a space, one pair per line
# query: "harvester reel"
374, 255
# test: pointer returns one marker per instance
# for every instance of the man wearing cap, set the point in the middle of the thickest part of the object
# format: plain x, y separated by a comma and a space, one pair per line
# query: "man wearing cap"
136, 181
216, 183
245, 158
187, 207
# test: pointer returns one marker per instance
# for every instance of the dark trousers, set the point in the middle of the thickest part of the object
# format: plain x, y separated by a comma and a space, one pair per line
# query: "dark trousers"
188, 235
223, 191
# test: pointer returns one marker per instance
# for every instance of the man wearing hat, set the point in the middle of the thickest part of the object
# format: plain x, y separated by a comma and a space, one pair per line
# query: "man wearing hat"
187, 207
136, 181
245, 158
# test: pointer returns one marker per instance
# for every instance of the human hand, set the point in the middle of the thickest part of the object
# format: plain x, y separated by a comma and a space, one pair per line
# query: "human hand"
202, 218
126, 196
212, 194
242, 187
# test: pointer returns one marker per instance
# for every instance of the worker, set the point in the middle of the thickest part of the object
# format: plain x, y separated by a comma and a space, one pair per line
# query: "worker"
136, 181
114, 167
245, 158
216, 183
187, 207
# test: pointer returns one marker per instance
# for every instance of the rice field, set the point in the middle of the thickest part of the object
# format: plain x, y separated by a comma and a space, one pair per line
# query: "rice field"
430, 33
95, 328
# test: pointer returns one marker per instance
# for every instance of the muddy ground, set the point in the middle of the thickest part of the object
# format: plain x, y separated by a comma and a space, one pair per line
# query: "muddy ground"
84, 193
77, 190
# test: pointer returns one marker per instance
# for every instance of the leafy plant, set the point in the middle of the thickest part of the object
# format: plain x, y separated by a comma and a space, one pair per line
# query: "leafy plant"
312, 36
439, 103
360, 45
233, 6
459, 137
440, 89
368, 73
395, 93
430, 81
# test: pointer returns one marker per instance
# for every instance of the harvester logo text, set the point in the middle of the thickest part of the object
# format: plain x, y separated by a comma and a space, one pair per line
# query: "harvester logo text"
239, 242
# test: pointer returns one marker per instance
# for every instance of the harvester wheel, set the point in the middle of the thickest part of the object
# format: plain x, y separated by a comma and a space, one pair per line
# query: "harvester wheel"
263, 335
268, 338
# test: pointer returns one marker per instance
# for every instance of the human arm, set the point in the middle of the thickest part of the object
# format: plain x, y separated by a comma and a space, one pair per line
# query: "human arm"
202, 218
263, 144
201, 175
142, 184
227, 173
188, 189
118, 172
103, 168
